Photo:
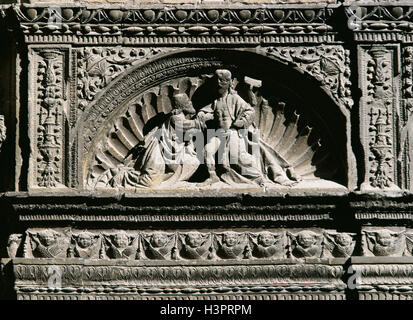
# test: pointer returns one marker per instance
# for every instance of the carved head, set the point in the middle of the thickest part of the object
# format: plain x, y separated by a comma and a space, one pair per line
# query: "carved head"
343, 239
266, 239
159, 239
182, 102
224, 80
306, 239
121, 240
85, 239
230, 239
385, 238
193, 239
47, 237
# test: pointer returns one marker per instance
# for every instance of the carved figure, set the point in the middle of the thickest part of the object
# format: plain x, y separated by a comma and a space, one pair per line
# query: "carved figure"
340, 245
160, 246
163, 156
231, 245
233, 118
86, 245
385, 242
267, 244
121, 245
306, 244
195, 245
49, 244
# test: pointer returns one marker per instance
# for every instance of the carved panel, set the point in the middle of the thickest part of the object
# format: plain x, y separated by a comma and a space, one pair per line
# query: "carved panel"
328, 64
379, 107
384, 241
48, 107
286, 131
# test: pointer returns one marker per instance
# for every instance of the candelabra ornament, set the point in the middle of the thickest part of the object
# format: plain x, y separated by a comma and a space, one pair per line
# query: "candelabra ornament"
49, 129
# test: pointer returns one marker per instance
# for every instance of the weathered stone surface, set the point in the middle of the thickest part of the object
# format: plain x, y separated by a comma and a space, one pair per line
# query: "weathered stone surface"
194, 150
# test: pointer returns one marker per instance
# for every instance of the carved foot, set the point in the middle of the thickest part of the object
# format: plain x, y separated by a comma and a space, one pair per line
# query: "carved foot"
213, 178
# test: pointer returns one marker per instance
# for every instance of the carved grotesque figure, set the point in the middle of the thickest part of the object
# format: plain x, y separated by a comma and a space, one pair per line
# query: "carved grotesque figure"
232, 245
340, 245
121, 246
385, 242
267, 244
195, 245
159, 245
86, 245
49, 244
306, 244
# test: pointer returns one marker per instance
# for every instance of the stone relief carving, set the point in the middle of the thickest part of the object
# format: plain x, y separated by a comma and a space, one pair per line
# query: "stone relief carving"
328, 64
174, 21
160, 245
306, 244
232, 245
97, 67
384, 242
195, 245
85, 245
339, 245
379, 106
248, 141
267, 244
50, 95
121, 245
47, 243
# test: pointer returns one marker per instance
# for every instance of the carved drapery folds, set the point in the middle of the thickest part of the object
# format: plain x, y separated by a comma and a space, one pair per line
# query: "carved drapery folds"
285, 129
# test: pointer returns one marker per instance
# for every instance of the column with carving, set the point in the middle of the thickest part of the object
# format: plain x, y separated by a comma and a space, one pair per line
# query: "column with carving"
405, 157
47, 117
379, 109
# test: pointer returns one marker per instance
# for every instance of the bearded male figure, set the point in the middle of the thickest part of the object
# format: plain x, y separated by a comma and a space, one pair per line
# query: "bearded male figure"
232, 118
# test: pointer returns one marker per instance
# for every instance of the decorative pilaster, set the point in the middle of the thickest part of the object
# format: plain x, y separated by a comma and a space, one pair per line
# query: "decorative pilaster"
47, 117
379, 106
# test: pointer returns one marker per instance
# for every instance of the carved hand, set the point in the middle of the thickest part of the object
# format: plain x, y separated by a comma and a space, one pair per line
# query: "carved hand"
238, 124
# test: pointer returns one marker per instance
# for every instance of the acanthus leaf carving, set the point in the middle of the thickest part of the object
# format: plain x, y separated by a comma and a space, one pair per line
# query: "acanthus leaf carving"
97, 67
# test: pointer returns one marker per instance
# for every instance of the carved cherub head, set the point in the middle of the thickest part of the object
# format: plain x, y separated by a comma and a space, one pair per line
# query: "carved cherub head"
47, 237
343, 239
193, 239
183, 103
121, 240
85, 239
159, 239
266, 239
385, 237
306, 239
230, 239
